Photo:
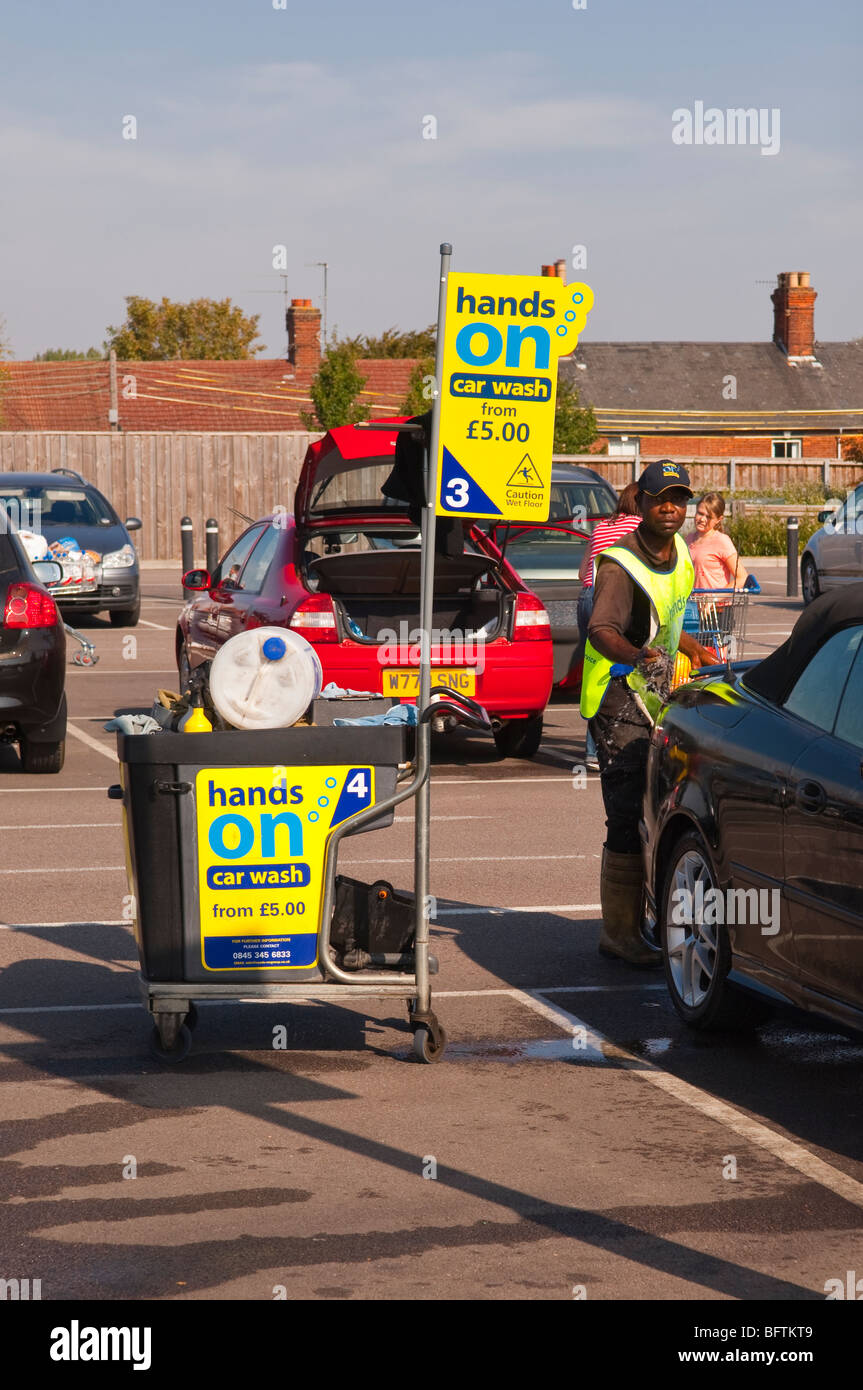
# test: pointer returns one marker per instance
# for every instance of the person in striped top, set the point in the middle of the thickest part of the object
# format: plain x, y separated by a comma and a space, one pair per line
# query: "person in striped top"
605, 533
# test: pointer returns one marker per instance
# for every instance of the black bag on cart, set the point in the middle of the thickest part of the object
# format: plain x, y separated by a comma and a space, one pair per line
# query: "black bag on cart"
372, 924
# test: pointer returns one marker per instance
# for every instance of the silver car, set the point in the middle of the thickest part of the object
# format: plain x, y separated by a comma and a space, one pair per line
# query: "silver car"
834, 554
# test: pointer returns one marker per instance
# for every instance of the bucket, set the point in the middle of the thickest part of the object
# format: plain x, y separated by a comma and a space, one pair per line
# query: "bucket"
265, 678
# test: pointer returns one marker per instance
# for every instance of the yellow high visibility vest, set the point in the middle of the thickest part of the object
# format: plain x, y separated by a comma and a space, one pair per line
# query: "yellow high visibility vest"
667, 595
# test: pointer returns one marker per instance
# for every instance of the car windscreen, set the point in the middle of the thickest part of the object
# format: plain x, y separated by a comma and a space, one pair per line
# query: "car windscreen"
57, 506
357, 488
580, 500
546, 551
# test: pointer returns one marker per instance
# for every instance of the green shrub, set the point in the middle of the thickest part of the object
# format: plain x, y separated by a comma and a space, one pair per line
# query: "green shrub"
765, 535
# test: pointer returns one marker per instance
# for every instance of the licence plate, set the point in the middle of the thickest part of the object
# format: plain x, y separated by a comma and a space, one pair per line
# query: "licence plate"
406, 683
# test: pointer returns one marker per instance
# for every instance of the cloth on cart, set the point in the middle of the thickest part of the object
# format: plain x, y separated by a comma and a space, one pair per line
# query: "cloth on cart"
132, 724
398, 714
331, 691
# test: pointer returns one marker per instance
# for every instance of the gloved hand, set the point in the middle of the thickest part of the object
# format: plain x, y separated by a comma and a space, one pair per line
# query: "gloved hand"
752, 584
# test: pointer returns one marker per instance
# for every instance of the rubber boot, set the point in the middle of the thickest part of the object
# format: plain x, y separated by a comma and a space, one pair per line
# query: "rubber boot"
621, 894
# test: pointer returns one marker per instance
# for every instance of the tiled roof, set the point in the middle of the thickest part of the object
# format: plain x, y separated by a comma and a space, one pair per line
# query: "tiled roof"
179, 396
644, 387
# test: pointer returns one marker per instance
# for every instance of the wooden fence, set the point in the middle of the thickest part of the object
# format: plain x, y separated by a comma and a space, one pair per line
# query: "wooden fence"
731, 474
161, 477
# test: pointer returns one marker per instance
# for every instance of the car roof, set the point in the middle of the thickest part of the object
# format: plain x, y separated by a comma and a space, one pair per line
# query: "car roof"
576, 473
44, 480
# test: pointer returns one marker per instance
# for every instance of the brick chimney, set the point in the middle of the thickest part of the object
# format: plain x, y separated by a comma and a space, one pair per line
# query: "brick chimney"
794, 314
558, 269
304, 334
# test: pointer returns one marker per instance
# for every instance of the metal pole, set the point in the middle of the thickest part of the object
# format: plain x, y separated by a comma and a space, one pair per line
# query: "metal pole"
187, 546
211, 531
422, 822
792, 533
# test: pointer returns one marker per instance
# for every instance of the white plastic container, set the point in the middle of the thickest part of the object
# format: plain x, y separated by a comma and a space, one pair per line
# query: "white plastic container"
265, 678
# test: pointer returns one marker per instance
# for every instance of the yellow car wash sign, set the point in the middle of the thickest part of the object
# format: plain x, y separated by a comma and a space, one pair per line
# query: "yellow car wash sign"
262, 832
504, 335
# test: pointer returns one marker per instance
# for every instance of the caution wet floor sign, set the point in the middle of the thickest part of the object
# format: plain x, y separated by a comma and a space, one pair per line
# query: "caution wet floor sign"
262, 833
503, 337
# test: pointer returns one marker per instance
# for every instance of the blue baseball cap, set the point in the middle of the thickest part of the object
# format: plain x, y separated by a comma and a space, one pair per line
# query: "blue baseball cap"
661, 475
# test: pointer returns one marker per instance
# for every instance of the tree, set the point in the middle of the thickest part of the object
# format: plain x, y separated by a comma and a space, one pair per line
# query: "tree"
335, 389
852, 448
419, 397
574, 425
69, 355
392, 343
202, 330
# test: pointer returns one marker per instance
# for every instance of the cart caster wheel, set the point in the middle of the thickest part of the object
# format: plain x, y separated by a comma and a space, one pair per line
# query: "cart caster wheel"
192, 1018
180, 1050
427, 1048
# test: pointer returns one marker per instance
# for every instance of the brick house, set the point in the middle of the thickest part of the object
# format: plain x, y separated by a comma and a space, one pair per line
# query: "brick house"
183, 396
791, 398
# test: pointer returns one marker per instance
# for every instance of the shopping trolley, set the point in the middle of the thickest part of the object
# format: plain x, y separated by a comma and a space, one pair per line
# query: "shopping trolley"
716, 618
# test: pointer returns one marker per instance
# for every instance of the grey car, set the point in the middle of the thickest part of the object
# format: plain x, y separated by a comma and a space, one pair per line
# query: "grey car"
833, 556
62, 504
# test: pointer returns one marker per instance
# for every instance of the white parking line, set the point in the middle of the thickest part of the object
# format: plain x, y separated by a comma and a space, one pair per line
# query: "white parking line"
360, 994
786, 1150
89, 869
68, 825
143, 623
106, 750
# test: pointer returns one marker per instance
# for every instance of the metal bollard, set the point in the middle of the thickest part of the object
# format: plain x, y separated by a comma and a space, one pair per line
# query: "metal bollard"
211, 531
187, 547
792, 534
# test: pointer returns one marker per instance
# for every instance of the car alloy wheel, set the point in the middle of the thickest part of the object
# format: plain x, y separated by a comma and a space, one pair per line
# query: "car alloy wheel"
809, 579
697, 955
691, 947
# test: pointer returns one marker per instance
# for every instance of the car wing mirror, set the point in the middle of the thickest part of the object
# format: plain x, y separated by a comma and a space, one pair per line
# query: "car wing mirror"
48, 571
133, 523
199, 581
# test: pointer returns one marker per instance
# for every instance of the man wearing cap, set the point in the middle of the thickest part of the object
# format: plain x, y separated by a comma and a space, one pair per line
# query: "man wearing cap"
640, 590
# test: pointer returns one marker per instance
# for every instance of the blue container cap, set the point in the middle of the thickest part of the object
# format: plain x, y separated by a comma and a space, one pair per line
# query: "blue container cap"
274, 648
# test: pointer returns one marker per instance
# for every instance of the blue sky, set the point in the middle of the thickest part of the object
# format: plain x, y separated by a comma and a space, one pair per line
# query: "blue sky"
303, 126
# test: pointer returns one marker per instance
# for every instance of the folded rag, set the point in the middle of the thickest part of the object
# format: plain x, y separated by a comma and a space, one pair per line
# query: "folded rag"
399, 714
132, 724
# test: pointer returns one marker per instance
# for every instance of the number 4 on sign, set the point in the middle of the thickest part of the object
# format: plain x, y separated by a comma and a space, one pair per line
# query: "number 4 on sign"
358, 786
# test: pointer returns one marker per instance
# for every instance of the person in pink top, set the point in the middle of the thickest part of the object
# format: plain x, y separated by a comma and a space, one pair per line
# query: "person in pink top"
714, 558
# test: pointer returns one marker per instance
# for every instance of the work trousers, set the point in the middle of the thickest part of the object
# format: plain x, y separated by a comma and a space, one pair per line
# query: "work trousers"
622, 731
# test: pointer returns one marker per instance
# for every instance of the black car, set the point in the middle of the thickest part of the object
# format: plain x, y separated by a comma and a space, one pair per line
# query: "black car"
61, 505
32, 659
754, 805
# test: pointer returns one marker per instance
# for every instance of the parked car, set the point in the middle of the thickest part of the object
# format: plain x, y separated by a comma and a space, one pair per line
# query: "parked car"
347, 576
32, 659
754, 788
833, 556
547, 557
61, 505
580, 495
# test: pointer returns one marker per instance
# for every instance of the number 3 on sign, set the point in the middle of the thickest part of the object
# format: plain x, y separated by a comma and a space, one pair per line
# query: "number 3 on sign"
457, 494
358, 786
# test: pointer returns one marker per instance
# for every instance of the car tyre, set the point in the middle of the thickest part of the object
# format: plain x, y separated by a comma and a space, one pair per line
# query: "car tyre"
809, 580
519, 738
697, 956
41, 757
125, 617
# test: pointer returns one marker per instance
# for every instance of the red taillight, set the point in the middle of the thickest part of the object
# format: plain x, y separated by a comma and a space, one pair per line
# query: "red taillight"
27, 606
315, 619
531, 622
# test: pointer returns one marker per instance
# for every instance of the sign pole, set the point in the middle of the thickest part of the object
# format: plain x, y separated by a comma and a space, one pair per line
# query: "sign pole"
422, 824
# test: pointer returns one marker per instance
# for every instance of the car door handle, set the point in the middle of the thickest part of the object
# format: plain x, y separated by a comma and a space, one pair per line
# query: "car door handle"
810, 797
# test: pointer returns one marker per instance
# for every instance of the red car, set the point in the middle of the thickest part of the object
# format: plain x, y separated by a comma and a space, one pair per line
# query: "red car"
346, 574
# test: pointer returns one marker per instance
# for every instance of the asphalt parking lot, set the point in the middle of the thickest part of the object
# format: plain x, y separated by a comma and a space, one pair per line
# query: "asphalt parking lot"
576, 1141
